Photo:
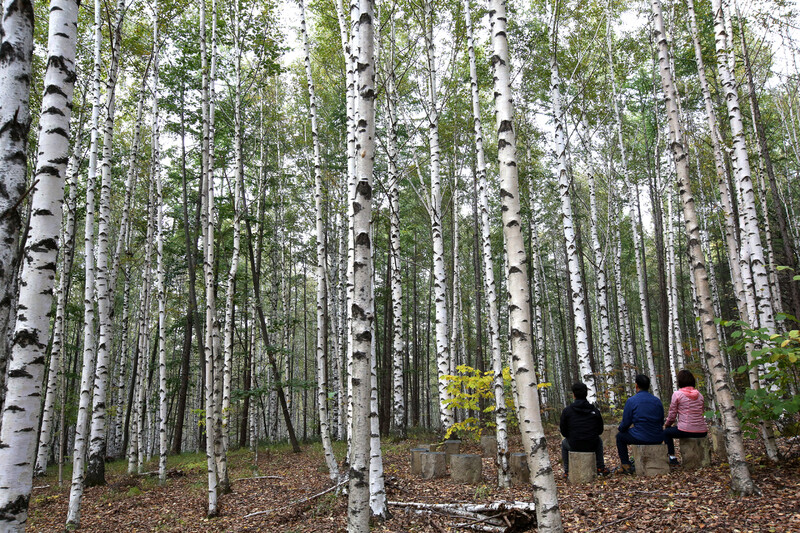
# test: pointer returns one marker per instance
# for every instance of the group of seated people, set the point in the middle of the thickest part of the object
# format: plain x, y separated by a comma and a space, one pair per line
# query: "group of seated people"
642, 422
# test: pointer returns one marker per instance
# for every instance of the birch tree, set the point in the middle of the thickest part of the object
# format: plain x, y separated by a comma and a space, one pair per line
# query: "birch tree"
20, 418
530, 418
500, 415
363, 315
564, 185
740, 476
322, 275
89, 353
15, 122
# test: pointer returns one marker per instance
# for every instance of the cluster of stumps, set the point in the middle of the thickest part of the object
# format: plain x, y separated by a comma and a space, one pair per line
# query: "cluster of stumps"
431, 461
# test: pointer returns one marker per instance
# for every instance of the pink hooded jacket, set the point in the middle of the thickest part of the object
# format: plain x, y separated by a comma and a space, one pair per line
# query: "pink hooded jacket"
687, 407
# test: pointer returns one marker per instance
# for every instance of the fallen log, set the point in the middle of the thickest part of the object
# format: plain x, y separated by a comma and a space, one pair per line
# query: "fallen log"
303, 500
495, 517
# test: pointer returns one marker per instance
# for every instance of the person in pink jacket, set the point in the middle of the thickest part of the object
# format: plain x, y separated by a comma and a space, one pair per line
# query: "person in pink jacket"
687, 408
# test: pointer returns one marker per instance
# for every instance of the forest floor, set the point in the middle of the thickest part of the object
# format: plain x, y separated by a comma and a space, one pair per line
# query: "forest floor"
683, 501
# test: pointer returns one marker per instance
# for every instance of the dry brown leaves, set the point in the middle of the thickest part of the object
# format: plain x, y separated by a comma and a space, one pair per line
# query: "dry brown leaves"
683, 501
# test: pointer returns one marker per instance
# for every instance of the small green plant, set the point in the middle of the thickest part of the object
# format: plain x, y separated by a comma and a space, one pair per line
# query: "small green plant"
134, 491
467, 389
483, 492
777, 359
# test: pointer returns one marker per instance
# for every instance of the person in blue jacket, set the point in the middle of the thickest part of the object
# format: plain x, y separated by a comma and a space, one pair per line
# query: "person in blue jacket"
642, 421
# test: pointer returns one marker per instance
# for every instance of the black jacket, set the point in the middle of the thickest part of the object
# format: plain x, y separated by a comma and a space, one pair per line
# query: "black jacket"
581, 424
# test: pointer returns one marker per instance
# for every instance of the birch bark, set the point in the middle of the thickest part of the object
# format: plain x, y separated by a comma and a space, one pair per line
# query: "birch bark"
530, 418
363, 316
16, 38
443, 354
740, 475
322, 274
89, 353
493, 324
20, 417
564, 183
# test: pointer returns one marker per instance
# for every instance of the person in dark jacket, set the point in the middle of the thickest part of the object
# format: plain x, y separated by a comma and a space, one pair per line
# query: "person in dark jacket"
642, 421
582, 425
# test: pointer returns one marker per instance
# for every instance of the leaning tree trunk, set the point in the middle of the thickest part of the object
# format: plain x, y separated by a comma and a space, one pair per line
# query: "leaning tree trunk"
20, 418
740, 475
89, 348
530, 418
564, 184
747, 208
443, 354
322, 275
363, 315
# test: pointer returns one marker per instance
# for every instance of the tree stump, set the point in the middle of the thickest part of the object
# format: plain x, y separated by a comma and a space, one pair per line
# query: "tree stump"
466, 468
582, 467
520, 474
489, 445
717, 435
609, 436
695, 453
434, 464
416, 460
651, 459
451, 447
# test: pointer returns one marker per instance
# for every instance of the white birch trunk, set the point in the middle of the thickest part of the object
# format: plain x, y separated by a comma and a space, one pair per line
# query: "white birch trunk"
644, 304
363, 313
20, 418
524, 375
395, 279
740, 475
493, 325
377, 487
16, 38
573, 264
208, 274
443, 354
97, 444
322, 275
67, 245
602, 296
741, 164
89, 353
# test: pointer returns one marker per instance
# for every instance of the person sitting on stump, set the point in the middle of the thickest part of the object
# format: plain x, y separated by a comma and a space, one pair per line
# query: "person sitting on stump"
642, 421
687, 407
582, 425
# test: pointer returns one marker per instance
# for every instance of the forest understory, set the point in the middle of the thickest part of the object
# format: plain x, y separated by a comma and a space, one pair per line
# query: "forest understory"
686, 500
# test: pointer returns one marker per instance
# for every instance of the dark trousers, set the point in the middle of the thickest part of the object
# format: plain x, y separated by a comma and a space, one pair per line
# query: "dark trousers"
598, 454
672, 433
623, 440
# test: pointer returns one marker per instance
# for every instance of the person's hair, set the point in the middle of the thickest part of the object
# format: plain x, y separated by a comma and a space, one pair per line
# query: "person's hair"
685, 379
580, 390
643, 382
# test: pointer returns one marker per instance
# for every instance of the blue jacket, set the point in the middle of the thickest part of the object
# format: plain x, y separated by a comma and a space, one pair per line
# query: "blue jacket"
645, 413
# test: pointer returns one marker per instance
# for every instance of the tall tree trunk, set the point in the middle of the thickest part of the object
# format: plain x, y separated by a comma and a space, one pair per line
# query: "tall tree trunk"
443, 354
500, 415
16, 38
577, 301
363, 315
95, 474
533, 439
89, 348
740, 475
322, 274
20, 418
